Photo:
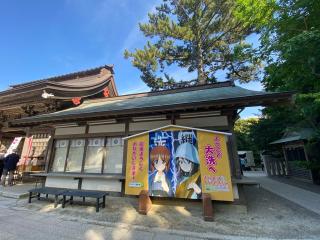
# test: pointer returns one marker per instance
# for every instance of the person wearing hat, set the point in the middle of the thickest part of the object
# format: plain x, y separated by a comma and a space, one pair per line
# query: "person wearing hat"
187, 162
10, 165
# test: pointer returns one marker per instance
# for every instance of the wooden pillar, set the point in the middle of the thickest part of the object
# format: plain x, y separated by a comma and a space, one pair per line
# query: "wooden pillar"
207, 207
25, 153
234, 158
277, 165
307, 159
49, 152
86, 143
266, 162
145, 203
287, 171
173, 119
124, 160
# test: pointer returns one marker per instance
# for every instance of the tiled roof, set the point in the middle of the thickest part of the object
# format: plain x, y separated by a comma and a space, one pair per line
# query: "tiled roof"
79, 74
166, 100
79, 84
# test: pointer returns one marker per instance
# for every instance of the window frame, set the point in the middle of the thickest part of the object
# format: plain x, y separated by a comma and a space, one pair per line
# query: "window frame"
54, 154
68, 152
85, 155
86, 139
106, 155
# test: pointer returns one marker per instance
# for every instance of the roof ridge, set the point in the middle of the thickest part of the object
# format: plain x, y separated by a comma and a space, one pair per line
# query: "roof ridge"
169, 91
82, 73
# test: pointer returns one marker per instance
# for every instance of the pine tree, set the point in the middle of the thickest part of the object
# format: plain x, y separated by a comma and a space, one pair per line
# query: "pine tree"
200, 35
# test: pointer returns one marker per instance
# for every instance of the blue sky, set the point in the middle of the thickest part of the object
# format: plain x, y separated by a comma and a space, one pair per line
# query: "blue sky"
40, 39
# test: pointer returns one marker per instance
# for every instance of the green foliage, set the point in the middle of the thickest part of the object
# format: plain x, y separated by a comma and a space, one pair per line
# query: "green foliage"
273, 124
245, 136
257, 12
291, 43
242, 129
203, 36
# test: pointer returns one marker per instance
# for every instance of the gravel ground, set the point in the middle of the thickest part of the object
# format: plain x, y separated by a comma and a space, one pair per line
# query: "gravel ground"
268, 216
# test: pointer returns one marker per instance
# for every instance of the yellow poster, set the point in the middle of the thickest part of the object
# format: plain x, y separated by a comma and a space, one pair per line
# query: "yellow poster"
137, 165
214, 166
179, 163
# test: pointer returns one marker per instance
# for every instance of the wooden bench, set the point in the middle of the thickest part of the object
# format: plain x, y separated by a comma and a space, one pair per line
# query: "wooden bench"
36, 193
85, 193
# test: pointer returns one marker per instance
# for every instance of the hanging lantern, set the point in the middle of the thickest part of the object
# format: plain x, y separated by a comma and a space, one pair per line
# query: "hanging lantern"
106, 92
76, 101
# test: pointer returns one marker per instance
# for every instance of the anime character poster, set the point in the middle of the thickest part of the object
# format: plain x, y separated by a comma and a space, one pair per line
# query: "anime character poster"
174, 166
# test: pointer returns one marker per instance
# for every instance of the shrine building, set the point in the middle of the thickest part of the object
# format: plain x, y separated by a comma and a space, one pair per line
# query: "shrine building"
78, 122
47, 96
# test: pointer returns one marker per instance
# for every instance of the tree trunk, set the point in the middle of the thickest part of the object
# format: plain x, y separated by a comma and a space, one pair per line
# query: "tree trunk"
201, 76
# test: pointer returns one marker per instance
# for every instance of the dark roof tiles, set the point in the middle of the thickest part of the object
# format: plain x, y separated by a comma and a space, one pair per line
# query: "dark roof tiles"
132, 104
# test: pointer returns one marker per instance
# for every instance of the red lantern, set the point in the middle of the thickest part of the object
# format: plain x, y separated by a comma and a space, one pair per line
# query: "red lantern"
106, 92
76, 100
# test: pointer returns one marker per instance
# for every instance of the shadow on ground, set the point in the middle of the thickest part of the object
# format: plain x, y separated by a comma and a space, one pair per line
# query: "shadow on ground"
268, 216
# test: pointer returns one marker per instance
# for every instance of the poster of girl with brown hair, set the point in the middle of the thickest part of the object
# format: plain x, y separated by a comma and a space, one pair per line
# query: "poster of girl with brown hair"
159, 183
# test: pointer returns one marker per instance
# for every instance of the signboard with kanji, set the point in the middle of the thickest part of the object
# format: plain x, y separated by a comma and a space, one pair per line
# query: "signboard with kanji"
179, 162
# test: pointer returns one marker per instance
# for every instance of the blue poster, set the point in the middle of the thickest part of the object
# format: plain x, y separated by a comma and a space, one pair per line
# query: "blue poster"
174, 169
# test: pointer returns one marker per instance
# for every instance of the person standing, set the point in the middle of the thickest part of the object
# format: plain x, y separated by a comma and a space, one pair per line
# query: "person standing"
10, 165
2, 156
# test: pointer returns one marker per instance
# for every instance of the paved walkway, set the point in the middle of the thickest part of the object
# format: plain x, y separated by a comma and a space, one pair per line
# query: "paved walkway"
18, 223
307, 199
17, 191
269, 217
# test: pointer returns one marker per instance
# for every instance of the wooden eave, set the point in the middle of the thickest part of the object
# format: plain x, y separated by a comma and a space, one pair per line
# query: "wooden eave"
32, 94
85, 73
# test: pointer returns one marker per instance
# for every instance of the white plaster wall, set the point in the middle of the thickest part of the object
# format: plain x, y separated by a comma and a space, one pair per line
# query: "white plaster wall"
107, 128
70, 130
203, 121
143, 126
101, 185
61, 182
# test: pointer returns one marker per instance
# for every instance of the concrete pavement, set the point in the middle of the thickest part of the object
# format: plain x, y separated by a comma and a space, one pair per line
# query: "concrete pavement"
304, 198
18, 223
269, 217
17, 191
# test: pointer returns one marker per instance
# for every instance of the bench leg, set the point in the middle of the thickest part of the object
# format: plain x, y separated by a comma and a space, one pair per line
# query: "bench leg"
71, 200
55, 201
30, 196
83, 199
104, 202
97, 205
47, 196
38, 196
63, 201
